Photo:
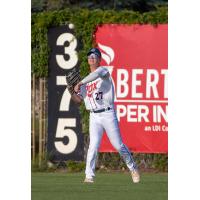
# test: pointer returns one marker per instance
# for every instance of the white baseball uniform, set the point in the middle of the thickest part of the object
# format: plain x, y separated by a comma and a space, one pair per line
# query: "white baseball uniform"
98, 96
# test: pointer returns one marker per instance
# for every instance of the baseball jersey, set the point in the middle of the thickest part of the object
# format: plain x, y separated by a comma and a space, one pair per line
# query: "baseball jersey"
98, 94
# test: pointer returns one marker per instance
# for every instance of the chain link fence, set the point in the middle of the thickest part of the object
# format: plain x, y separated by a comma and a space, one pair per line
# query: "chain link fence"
38, 118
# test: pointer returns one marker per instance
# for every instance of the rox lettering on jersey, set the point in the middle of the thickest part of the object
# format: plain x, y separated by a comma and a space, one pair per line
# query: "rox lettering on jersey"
90, 88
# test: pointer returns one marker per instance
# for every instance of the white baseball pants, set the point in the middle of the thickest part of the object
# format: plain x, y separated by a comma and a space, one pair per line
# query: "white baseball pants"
98, 123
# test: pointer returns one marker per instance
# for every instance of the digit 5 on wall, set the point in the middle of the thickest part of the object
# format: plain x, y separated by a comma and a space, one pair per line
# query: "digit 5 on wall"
65, 138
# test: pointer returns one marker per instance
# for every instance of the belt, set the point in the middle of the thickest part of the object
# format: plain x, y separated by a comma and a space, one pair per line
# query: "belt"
101, 110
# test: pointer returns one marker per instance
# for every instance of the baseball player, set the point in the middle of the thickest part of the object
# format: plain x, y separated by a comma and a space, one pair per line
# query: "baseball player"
97, 91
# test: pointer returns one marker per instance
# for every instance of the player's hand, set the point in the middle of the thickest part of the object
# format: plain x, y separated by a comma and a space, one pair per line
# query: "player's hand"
77, 87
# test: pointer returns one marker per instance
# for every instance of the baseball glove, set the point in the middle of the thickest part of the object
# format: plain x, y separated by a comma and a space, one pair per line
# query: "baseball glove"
72, 78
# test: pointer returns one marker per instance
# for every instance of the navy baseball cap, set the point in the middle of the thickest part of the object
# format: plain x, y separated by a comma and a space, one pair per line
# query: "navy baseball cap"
95, 51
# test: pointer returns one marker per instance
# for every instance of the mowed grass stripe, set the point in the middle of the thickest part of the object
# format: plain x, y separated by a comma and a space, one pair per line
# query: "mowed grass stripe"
107, 186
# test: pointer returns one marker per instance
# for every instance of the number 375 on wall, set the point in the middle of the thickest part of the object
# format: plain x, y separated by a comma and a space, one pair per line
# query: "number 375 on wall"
63, 115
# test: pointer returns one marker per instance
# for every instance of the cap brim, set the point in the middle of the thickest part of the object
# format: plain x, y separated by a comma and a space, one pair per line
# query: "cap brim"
89, 53
93, 53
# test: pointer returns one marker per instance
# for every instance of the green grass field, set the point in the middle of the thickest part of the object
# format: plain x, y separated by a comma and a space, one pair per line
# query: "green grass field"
107, 186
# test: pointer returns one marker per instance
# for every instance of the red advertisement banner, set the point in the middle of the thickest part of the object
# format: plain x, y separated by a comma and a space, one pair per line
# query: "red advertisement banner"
137, 58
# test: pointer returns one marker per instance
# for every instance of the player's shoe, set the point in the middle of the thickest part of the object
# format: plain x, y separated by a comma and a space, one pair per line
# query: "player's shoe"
135, 176
89, 180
